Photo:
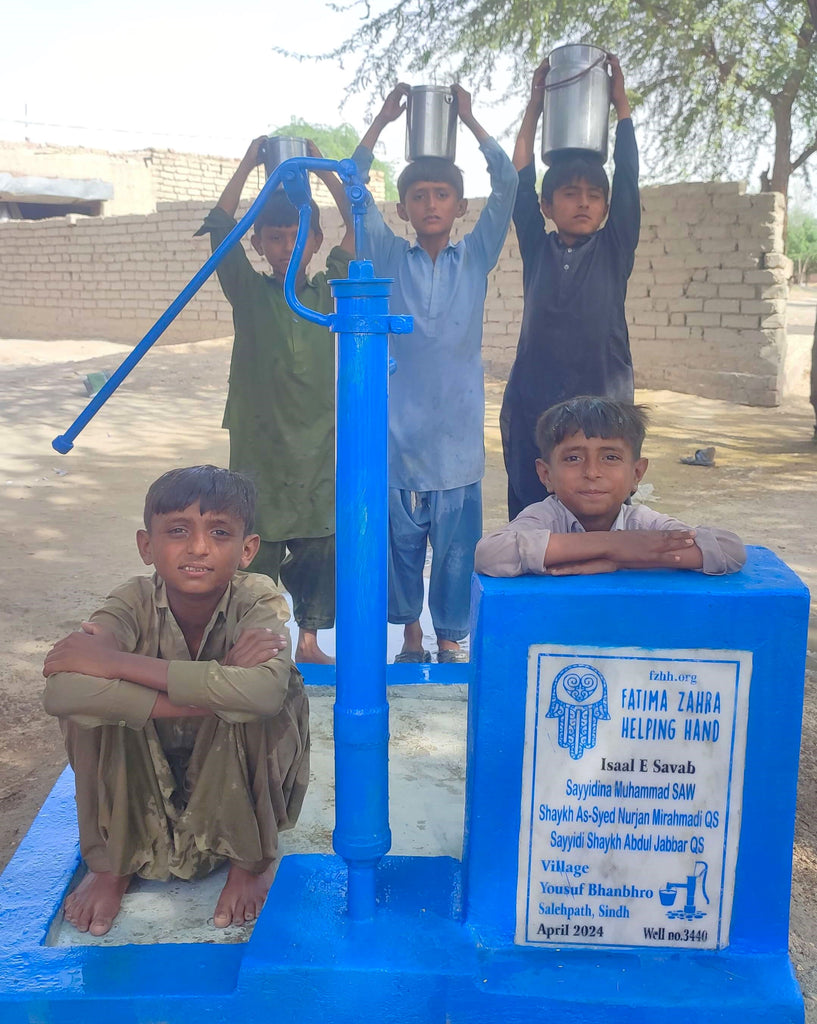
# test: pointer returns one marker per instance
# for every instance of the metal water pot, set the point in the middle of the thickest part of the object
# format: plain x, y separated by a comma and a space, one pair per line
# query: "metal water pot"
431, 122
277, 148
577, 102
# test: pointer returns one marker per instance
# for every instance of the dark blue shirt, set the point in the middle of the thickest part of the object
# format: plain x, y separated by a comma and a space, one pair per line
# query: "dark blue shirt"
574, 337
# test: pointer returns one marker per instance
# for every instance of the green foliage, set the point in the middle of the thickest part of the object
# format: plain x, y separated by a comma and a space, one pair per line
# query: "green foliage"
337, 144
716, 80
801, 243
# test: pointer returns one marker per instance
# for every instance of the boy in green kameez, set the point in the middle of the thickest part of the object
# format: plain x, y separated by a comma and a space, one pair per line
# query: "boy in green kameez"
281, 399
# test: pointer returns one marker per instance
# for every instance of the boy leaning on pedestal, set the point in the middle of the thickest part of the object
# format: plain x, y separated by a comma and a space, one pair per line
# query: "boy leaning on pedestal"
591, 462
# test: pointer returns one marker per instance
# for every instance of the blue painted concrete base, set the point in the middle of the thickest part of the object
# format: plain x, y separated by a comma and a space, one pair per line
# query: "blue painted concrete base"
306, 963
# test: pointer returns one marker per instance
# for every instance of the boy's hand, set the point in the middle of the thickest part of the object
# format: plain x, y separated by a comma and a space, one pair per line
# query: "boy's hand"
463, 98
230, 197
393, 107
618, 94
649, 549
466, 114
252, 158
537, 88
254, 647
87, 651
394, 104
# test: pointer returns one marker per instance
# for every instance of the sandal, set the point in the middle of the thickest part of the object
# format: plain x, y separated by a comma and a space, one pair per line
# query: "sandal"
702, 457
412, 658
452, 657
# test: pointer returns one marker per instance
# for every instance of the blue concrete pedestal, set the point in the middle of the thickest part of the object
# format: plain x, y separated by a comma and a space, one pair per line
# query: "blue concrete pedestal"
307, 963
441, 947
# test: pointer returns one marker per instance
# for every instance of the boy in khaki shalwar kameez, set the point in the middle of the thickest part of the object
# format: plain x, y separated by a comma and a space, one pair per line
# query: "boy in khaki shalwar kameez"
185, 721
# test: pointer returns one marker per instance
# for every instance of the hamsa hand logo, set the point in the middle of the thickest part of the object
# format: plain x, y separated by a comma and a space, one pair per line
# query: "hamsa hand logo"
578, 699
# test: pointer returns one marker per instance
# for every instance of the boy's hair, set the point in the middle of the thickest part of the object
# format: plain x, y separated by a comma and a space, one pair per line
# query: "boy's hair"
430, 168
216, 490
278, 212
573, 167
593, 417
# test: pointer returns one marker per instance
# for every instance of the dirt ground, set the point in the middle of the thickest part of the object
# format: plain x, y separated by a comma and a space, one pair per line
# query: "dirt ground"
67, 525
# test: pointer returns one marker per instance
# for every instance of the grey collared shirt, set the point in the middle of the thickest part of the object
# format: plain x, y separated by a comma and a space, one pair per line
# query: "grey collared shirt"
519, 548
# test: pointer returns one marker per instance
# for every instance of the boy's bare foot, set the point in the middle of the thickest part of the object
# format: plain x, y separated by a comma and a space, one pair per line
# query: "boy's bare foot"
447, 645
95, 902
308, 650
243, 895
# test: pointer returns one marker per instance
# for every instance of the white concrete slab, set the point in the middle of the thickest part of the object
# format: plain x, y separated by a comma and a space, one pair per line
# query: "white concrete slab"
427, 789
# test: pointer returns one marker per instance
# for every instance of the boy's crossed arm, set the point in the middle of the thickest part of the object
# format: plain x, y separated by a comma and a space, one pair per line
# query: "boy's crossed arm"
569, 554
517, 549
93, 651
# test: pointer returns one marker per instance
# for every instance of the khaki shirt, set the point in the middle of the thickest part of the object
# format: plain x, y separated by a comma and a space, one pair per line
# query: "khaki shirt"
141, 620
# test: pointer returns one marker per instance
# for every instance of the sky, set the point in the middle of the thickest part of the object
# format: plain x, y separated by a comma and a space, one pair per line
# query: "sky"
198, 77
204, 77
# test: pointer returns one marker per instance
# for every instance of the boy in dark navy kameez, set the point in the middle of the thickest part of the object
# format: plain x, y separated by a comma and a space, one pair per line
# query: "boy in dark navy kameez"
574, 337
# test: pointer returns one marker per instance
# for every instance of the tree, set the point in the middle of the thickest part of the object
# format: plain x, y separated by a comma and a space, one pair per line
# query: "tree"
801, 243
718, 81
336, 144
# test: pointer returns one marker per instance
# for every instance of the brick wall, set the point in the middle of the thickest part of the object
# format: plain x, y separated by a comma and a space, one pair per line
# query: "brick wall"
142, 179
706, 303
188, 176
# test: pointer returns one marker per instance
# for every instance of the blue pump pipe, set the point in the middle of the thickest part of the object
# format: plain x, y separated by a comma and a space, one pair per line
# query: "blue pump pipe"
362, 322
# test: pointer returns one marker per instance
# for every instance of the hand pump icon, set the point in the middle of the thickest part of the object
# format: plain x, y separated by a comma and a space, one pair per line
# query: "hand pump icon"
670, 891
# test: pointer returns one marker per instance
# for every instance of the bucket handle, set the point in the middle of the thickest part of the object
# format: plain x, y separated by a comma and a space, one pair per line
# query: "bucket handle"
577, 76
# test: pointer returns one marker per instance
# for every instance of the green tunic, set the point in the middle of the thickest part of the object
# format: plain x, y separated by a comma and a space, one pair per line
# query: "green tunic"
281, 398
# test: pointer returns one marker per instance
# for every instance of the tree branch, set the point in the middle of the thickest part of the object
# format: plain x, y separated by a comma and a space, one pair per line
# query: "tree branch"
809, 151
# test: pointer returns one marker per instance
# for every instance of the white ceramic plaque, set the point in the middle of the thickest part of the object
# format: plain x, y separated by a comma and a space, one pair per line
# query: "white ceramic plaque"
631, 796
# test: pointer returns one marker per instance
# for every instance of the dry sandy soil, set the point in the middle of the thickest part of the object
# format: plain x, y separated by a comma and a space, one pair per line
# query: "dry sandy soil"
67, 527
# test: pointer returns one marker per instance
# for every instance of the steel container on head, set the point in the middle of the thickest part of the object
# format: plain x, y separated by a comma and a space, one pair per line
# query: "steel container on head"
431, 122
577, 102
277, 148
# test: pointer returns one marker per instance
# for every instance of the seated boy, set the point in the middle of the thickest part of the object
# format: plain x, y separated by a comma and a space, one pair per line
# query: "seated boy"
281, 400
436, 395
185, 721
591, 461
574, 337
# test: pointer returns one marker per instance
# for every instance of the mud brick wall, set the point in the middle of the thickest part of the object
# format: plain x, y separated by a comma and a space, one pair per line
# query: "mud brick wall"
706, 304
143, 178
706, 301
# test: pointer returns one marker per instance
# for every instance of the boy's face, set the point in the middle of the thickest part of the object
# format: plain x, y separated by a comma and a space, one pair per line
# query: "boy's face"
431, 207
196, 554
577, 210
275, 244
592, 476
